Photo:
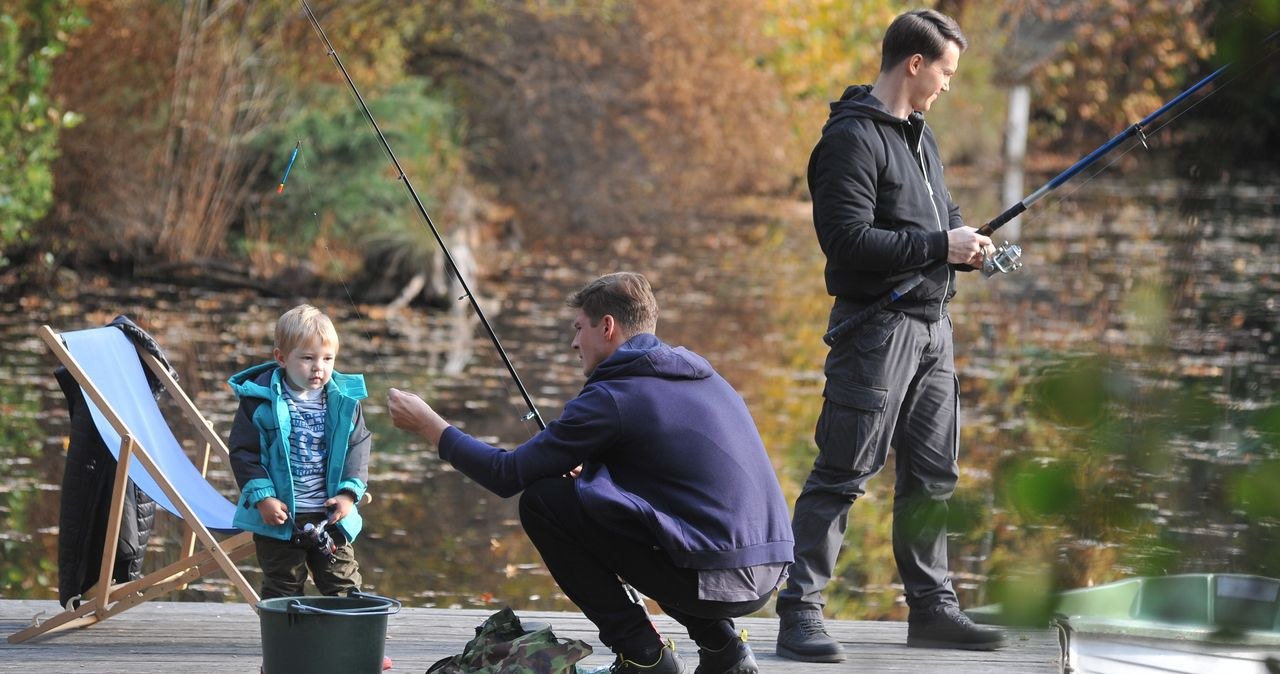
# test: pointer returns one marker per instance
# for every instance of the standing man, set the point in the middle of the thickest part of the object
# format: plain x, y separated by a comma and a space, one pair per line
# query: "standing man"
676, 495
882, 213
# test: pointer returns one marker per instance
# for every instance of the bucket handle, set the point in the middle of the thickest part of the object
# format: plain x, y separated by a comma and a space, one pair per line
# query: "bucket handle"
296, 606
366, 595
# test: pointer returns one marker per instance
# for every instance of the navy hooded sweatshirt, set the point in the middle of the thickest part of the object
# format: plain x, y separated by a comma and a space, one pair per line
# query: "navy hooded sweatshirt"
880, 206
666, 445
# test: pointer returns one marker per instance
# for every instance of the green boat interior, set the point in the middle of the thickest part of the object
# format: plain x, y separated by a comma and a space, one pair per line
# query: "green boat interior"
1232, 608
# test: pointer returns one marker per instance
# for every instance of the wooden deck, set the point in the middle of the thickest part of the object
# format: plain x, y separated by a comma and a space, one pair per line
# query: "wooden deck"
199, 638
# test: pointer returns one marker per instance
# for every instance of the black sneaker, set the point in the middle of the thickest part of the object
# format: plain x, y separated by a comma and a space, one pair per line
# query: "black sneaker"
665, 661
734, 657
946, 626
803, 636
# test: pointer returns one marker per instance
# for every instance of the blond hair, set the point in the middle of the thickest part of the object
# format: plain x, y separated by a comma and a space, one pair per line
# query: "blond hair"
302, 323
625, 295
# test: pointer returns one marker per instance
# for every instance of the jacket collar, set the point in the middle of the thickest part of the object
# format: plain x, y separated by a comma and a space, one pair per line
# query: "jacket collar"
266, 381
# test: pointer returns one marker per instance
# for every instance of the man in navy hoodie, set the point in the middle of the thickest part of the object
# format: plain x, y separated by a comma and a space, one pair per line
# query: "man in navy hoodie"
882, 213
655, 475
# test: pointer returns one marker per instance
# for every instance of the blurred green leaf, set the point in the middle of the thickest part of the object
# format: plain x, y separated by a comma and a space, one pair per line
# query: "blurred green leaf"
1254, 490
1042, 490
1025, 599
1073, 393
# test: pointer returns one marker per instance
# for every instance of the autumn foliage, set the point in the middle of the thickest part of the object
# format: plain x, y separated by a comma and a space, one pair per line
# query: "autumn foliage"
589, 117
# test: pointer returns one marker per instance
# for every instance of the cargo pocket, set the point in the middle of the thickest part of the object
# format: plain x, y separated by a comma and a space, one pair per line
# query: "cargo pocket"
850, 428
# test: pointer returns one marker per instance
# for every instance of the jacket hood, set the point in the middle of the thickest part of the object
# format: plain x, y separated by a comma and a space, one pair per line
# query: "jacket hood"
857, 101
261, 380
645, 355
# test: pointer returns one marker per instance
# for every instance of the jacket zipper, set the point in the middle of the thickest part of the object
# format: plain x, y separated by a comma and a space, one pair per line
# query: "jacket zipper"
937, 217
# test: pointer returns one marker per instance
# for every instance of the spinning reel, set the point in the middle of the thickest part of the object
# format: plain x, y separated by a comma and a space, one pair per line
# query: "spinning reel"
315, 538
1007, 258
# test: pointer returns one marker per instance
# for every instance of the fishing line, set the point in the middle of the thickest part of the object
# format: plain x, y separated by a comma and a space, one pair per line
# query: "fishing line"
1141, 139
303, 169
444, 249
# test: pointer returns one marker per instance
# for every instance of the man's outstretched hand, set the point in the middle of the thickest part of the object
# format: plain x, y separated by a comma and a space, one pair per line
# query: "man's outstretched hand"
411, 413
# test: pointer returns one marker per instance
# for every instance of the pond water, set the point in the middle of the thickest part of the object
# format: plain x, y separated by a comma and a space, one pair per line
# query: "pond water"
1133, 361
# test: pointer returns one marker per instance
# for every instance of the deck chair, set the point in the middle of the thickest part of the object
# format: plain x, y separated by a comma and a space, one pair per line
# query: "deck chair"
108, 368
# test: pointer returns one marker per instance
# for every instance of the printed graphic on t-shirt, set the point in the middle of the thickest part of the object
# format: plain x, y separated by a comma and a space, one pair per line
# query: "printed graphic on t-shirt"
308, 451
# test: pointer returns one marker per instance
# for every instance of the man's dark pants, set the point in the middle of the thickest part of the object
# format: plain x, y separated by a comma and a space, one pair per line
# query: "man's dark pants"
587, 561
891, 383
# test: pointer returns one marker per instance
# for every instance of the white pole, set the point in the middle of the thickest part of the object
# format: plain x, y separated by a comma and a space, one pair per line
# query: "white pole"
1015, 152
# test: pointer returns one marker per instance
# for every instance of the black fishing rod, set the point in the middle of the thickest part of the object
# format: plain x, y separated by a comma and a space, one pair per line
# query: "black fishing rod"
533, 410
1007, 257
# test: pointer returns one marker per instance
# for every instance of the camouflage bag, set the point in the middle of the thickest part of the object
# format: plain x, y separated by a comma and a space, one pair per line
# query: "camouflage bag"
505, 646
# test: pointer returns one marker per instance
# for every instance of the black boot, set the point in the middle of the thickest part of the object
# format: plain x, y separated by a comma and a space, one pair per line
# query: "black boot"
734, 657
946, 626
803, 636
661, 661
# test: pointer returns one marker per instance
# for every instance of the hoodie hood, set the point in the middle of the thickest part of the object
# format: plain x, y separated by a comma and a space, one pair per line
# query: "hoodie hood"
645, 355
857, 101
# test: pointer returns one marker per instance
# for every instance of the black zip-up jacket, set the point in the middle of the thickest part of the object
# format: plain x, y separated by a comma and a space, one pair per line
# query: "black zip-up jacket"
880, 207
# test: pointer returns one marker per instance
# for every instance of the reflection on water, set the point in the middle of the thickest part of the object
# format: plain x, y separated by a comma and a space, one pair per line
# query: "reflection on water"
1174, 286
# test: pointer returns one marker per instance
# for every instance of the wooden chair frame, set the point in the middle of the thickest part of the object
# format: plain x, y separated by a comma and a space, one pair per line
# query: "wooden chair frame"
106, 599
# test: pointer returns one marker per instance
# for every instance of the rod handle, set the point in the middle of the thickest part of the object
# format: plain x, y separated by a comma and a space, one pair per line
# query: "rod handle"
836, 333
1000, 220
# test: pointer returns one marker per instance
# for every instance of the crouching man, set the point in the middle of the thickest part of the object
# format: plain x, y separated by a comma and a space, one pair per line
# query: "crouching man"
655, 475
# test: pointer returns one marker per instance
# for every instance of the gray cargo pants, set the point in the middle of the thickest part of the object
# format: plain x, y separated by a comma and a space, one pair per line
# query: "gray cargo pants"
890, 383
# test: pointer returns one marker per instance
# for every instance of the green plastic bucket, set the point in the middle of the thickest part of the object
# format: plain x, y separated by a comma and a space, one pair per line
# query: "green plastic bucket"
325, 635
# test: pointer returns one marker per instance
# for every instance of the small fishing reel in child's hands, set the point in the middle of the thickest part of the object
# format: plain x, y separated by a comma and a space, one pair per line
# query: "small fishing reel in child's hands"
1007, 258
316, 538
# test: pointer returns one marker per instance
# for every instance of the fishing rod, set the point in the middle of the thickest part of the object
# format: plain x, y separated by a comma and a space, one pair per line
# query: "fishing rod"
475, 305
1008, 257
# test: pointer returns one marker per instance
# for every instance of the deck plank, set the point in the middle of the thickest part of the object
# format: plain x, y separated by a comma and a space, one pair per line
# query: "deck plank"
207, 638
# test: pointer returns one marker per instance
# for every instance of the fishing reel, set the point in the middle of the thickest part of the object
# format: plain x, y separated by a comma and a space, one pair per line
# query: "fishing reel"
315, 538
1007, 258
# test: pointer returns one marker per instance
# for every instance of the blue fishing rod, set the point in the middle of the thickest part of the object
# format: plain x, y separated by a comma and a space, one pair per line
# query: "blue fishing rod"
475, 305
1008, 257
